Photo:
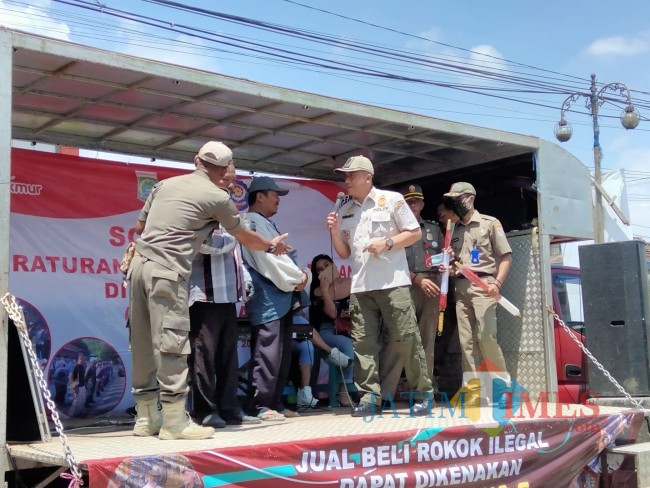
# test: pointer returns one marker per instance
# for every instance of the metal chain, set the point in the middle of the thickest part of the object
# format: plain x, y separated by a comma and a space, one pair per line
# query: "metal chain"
15, 311
594, 360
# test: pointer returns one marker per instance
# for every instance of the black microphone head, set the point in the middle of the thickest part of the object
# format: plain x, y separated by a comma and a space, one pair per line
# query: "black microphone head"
340, 196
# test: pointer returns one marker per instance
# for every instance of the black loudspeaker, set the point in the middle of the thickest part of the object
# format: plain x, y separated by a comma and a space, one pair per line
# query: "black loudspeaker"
22, 420
616, 307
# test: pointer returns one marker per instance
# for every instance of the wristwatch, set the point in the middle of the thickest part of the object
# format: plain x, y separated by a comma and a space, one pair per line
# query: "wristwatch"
271, 248
389, 243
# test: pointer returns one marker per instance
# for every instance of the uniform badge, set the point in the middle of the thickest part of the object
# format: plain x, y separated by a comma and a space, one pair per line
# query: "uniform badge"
146, 182
382, 201
474, 255
239, 195
429, 236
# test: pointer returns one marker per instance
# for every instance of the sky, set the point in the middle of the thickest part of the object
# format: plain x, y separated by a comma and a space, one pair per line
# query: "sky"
546, 44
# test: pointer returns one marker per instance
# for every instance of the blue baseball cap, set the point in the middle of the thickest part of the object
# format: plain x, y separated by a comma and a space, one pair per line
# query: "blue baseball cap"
265, 183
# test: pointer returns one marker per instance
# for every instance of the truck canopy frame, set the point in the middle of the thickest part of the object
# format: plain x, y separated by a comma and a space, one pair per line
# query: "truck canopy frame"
62, 93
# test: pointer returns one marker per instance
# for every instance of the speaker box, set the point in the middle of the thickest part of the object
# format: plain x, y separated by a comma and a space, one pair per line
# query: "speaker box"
22, 419
616, 304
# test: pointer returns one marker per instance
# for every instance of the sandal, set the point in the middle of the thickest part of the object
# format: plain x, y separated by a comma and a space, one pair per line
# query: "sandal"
269, 415
343, 399
290, 413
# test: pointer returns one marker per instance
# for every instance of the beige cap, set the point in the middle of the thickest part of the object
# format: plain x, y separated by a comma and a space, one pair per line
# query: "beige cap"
357, 163
461, 188
216, 153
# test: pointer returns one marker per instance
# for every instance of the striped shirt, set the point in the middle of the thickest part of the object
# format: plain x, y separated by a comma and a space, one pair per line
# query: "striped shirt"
218, 275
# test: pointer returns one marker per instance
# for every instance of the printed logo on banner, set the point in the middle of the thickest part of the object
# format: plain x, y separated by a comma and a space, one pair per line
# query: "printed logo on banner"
239, 195
146, 182
22, 188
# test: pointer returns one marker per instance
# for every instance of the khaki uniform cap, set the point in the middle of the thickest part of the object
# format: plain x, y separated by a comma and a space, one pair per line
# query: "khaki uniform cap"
461, 188
357, 163
216, 153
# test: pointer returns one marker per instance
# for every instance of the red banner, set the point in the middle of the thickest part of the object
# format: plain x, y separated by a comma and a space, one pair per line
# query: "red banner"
71, 220
536, 453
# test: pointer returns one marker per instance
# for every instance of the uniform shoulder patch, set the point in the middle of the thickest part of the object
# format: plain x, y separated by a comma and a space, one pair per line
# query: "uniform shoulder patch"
401, 207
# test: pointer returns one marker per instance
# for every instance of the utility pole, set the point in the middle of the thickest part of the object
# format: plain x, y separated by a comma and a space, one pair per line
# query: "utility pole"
563, 132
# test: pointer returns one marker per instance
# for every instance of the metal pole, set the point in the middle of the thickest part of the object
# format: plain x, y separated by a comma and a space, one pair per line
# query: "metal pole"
599, 231
6, 59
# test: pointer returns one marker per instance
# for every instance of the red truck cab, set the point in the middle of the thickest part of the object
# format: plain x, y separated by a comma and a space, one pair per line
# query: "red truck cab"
571, 363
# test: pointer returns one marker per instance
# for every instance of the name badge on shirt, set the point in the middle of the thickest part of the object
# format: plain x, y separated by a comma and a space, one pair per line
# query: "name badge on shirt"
381, 216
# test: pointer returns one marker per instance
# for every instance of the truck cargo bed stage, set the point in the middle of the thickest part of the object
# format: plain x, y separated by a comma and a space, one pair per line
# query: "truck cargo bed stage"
328, 447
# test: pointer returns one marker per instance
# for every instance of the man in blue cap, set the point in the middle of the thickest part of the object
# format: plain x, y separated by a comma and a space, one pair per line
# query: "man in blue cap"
270, 309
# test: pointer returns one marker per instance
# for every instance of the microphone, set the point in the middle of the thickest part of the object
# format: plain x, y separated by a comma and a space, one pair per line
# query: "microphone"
340, 198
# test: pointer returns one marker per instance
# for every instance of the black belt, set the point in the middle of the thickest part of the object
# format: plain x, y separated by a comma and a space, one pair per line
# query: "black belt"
479, 274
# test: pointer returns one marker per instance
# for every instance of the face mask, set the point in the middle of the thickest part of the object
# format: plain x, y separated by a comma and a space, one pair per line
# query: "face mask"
460, 206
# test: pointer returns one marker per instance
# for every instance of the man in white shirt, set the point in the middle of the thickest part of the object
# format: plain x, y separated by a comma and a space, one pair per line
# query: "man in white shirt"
374, 228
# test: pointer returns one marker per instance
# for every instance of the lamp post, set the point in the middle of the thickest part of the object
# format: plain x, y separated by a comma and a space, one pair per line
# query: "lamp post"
563, 132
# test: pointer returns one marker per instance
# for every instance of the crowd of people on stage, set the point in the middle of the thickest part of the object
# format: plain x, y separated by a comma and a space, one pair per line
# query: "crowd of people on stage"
197, 257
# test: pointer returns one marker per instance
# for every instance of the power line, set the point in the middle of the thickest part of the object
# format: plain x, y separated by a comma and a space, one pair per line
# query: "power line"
320, 62
328, 66
284, 30
424, 38
283, 54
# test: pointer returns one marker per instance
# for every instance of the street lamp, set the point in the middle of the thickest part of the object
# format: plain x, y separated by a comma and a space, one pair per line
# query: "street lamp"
563, 132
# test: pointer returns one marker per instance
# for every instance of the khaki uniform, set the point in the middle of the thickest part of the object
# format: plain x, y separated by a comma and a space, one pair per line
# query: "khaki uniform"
426, 308
478, 244
180, 213
380, 293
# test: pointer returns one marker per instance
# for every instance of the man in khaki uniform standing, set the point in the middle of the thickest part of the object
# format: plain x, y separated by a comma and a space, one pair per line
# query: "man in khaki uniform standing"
178, 216
374, 228
480, 243
424, 292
